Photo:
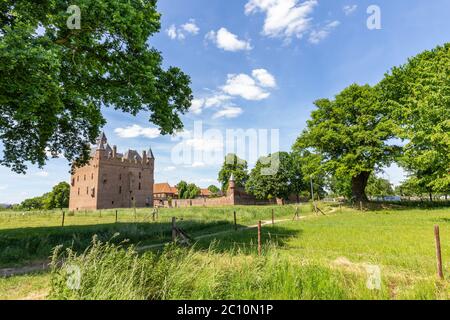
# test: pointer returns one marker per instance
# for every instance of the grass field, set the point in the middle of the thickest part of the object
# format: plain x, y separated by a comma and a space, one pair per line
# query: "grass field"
317, 257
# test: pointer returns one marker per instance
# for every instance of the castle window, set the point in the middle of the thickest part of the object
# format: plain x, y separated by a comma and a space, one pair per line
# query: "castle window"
120, 189
120, 176
73, 182
139, 186
140, 176
87, 190
92, 176
84, 177
93, 192
78, 178
78, 191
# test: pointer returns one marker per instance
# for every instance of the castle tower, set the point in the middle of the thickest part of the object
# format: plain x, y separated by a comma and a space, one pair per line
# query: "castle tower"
113, 180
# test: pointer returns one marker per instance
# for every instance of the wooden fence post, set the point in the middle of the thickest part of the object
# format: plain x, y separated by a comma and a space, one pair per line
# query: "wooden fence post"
116, 216
235, 221
63, 217
438, 252
174, 231
259, 238
361, 206
135, 215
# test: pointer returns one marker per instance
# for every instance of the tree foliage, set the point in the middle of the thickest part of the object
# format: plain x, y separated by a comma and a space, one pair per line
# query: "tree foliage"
286, 180
379, 187
215, 191
57, 198
187, 190
55, 80
235, 166
351, 134
419, 94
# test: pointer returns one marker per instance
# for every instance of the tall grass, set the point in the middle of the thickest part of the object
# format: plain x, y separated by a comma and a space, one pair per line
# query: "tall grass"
29, 236
109, 271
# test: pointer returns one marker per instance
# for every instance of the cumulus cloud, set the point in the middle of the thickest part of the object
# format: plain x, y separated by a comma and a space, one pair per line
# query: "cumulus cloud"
254, 87
284, 18
215, 100
316, 36
244, 86
136, 131
228, 112
181, 32
191, 27
264, 78
349, 9
197, 106
228, 41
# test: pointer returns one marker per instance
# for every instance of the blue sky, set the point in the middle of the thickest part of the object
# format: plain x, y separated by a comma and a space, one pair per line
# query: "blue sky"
259, 64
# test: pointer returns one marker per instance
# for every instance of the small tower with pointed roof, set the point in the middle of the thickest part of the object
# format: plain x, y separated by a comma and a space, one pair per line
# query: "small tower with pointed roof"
231, 186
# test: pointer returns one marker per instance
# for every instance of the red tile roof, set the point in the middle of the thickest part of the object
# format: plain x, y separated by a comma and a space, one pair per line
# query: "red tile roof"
164, 188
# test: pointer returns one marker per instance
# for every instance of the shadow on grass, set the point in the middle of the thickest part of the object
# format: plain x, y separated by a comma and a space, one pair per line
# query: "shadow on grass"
246, 241
22, 246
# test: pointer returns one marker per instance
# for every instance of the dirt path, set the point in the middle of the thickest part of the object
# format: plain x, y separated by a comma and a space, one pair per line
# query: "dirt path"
18, 271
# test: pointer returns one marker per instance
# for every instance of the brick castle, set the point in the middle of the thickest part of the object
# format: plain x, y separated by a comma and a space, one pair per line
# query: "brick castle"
113, 180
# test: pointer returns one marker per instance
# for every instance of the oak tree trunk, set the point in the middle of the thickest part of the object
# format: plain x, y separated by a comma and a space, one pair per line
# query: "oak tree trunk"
359, 184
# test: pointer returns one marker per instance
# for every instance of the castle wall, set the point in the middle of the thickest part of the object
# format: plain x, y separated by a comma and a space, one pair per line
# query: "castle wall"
83, 187
112, 181
125, 184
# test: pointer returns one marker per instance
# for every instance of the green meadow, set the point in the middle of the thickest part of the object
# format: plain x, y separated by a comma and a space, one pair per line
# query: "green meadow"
315, 257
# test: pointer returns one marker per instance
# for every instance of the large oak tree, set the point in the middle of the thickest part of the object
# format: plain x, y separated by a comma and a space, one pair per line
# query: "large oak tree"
419, 94
352, 135
55, 80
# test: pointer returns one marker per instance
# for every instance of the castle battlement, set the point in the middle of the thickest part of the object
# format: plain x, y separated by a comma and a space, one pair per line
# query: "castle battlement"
113, 179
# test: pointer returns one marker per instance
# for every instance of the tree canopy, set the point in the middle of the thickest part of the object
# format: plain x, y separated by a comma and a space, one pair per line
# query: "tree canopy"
57, 198
352, 135
379, 187
235, 166
55, 80
419, 94
286, 181
187, 190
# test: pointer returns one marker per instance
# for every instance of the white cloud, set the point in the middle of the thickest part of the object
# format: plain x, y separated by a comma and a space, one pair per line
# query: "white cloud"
172, 32
316, 36
3, 187
254, 88
190, 27
197, 105
244, 86
264, 78
349, 9
135, 131
198, 164
284, 18
228, 112
169, 169
217, 100
180, 33
42, 174
228, 41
